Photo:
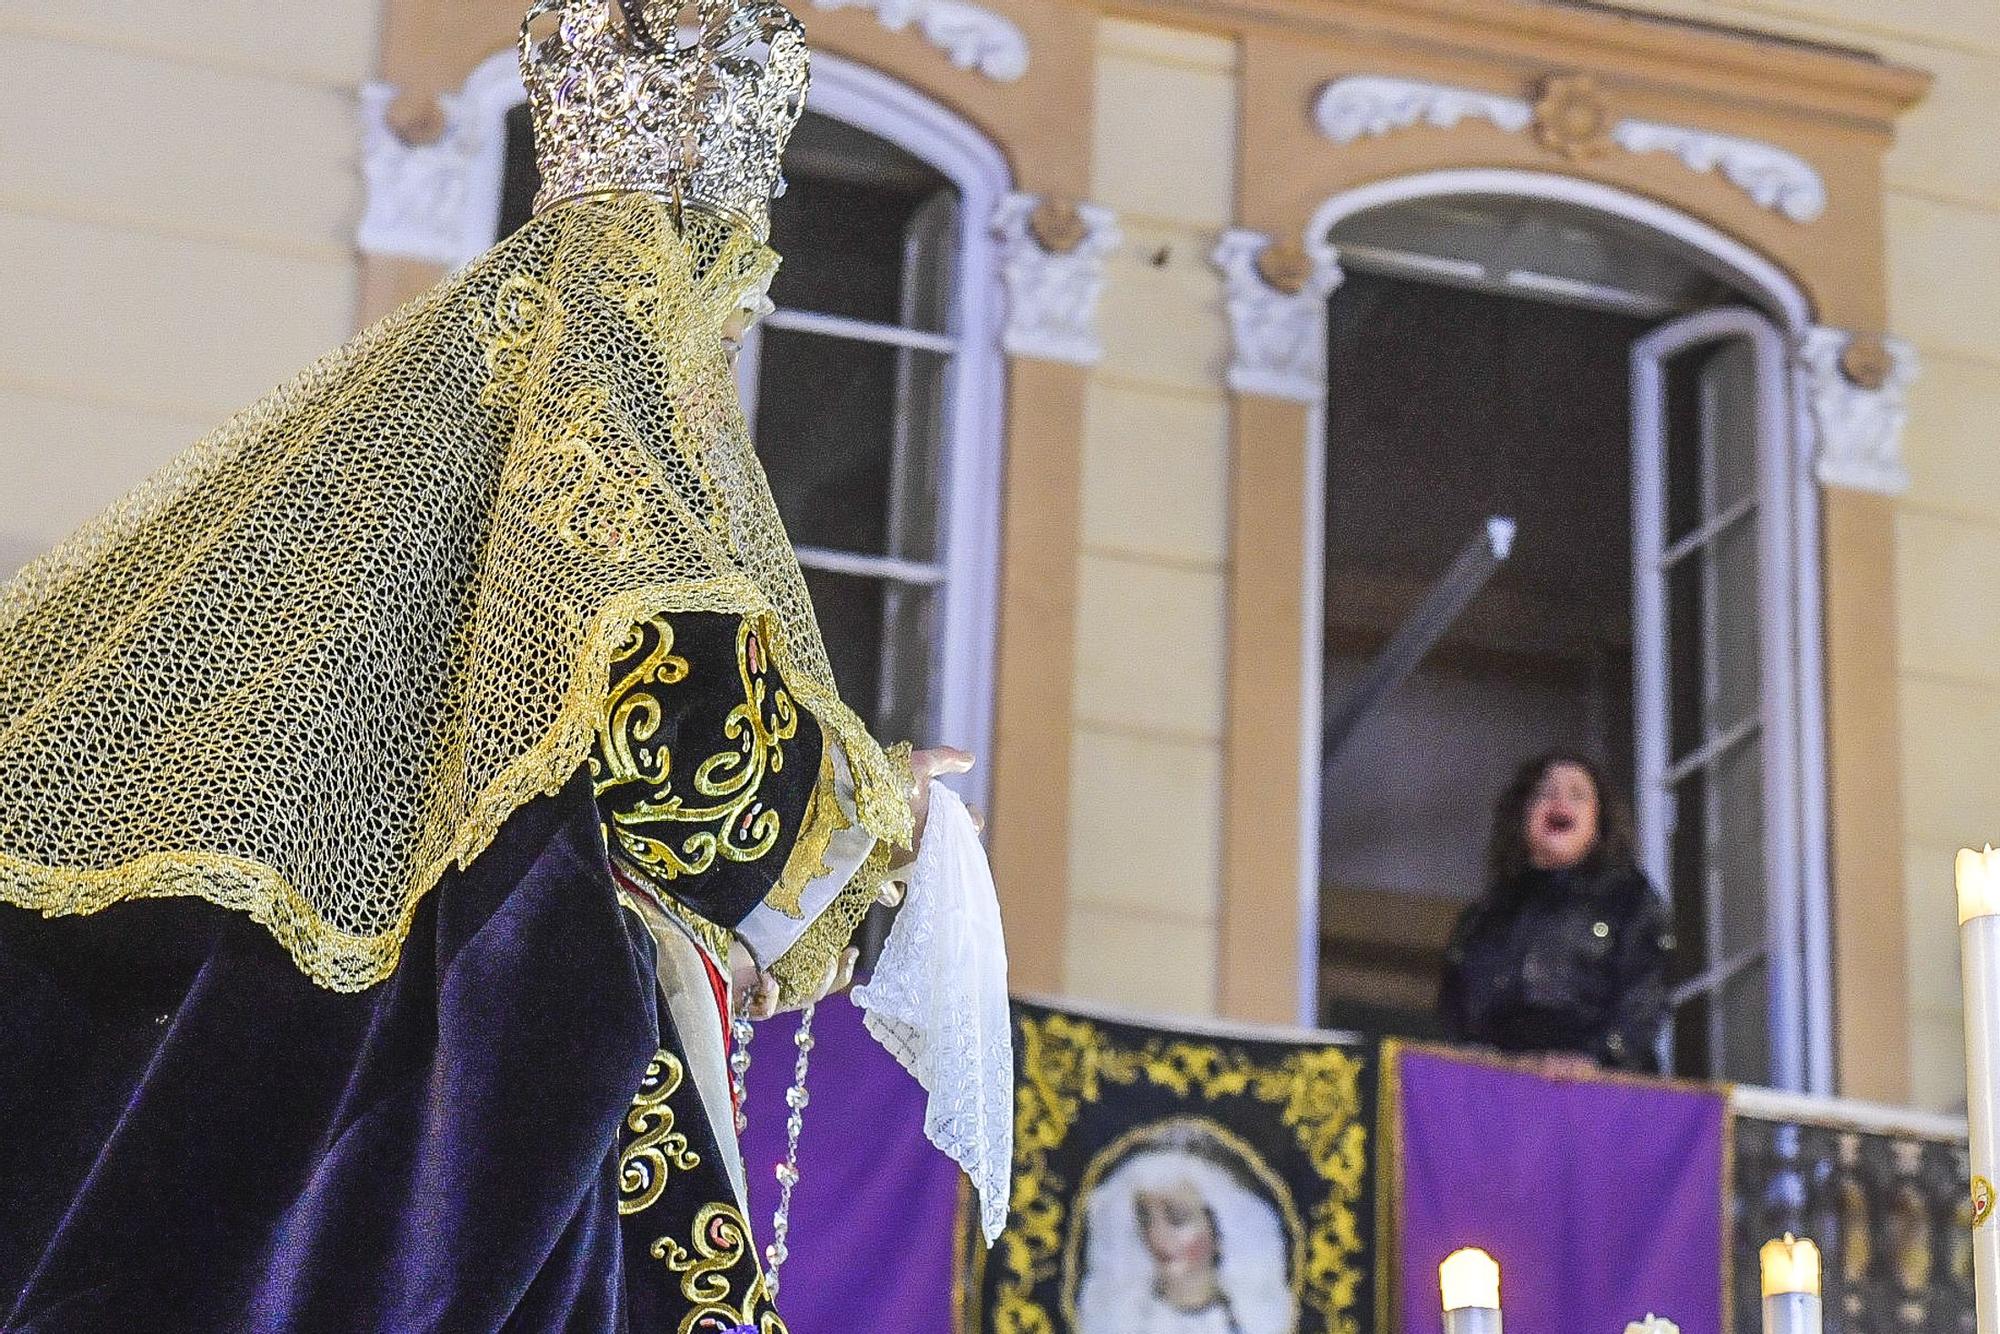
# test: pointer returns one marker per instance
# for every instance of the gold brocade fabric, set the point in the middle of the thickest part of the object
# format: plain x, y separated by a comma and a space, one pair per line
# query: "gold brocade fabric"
323, 655
802, 970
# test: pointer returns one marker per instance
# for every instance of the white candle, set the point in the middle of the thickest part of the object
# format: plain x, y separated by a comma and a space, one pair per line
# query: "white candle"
1979, 950
1791, 1286
1470, 1282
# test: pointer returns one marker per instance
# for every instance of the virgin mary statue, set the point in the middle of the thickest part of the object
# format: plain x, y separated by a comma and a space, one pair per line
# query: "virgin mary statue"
397, 789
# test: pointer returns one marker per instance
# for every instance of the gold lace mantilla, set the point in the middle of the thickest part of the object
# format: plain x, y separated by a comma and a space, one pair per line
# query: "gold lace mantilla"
323, 655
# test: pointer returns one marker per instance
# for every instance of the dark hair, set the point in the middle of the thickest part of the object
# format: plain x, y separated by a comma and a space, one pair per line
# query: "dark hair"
1507, 846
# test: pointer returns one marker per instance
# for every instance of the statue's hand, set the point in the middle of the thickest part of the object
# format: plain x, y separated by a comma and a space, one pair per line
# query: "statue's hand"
925, 765
759, 991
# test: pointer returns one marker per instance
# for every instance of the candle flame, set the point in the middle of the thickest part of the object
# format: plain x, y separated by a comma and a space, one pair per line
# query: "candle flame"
1790, 1265
1978, 884
1470, 1279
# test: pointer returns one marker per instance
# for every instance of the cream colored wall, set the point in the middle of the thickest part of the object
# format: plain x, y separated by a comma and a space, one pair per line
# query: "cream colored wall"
179, 182
1942, 217
1146, 845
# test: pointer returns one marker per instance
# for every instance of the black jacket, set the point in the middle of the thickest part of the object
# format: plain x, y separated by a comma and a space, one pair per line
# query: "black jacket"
1562, 961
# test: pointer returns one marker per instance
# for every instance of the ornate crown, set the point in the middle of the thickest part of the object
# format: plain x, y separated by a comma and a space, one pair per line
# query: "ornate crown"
638, 102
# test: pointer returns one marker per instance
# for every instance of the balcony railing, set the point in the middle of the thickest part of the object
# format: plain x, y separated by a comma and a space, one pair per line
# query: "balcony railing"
1882, 1190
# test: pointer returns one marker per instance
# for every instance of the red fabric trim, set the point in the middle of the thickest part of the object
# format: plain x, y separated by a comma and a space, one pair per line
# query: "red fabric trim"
718, 984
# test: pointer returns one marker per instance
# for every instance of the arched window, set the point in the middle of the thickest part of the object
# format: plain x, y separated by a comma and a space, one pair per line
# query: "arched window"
874, 390
1619, 385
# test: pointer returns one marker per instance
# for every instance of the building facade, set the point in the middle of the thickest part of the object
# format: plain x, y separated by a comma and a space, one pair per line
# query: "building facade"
1071, 298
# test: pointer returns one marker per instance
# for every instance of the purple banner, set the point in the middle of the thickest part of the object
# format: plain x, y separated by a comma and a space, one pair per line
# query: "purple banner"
1603, 1200
874, 1218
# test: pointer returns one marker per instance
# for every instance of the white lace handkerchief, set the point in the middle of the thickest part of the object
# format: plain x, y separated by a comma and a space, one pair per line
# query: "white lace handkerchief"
938, 1003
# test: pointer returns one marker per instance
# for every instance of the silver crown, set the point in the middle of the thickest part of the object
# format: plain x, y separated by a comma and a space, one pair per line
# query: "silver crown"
698, 113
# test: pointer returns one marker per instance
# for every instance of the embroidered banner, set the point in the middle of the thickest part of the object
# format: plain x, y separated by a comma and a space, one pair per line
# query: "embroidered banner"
1192, 1182
876, 1215
1603, 1199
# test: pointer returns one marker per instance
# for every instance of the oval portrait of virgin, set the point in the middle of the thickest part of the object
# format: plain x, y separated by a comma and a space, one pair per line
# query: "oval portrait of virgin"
1180, 1227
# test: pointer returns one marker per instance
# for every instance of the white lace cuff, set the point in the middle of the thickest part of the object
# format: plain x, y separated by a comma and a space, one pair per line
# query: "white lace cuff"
938, 1003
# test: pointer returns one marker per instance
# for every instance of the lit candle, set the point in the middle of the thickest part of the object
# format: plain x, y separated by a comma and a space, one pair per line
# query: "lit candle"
1470, 1280
1979, 951
1791, 1286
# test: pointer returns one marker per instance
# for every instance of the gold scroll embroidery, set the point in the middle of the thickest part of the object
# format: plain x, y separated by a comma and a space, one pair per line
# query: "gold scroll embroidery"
722, 808
521, 304
632, 712
1065, 1064
721, 1245
658, 1148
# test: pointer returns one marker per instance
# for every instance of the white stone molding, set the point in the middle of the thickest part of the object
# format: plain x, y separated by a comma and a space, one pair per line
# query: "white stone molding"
1364, 106
1367, 105
1859, 427
438, 202
1052, 295
1278, 336
971, 36
1780, 181
415, 191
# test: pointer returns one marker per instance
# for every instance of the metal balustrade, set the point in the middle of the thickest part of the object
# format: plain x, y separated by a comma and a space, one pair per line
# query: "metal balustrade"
1884, 1193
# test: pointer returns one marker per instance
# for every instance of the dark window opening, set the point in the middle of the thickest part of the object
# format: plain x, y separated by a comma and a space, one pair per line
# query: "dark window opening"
1447, 406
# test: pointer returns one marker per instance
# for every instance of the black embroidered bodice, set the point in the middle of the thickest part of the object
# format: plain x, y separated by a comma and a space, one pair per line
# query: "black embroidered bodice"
704, 769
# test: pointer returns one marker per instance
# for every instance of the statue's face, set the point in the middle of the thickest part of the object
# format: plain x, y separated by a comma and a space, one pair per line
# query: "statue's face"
754, 305
1562, 818
1180, 1235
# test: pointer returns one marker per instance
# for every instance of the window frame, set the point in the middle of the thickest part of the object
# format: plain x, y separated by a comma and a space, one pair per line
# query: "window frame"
1777, 726
1786, 306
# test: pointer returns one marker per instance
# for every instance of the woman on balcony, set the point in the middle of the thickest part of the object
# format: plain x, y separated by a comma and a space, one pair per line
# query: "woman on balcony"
1565, 954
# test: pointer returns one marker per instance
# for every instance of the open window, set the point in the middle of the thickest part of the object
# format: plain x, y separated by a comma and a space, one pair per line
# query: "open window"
1619, 396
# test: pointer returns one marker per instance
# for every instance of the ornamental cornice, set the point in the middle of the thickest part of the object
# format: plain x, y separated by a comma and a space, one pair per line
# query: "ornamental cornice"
1276, 297
1052, 260
1851, 92
971, 36
1370, 105
1856, 388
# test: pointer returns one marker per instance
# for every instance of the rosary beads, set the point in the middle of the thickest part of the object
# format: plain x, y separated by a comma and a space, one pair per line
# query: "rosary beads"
796, 1098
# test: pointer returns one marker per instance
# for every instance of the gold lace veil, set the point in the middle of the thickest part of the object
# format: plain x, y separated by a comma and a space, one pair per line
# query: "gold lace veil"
323, 655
